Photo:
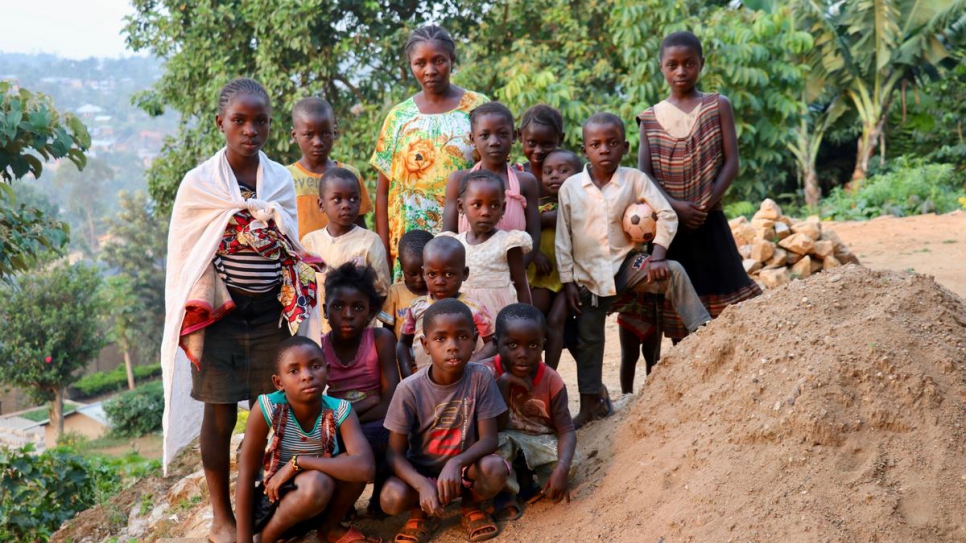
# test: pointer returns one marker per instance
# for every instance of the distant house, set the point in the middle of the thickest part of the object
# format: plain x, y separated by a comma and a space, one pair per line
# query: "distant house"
89, 111
87, 420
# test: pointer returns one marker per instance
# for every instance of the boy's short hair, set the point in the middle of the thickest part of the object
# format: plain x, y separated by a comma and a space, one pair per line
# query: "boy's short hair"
413, 242
545, 115
312, 106
446, 243
482, 175
446, 306
361, 278
681, 39
491, 108
606, 119
337, 173
571, 157
293, 342
513, 312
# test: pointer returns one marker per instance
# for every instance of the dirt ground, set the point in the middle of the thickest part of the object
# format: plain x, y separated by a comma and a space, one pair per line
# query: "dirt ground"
715, 448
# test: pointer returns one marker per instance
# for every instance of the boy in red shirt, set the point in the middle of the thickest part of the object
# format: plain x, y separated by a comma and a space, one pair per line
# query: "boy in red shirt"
538, 424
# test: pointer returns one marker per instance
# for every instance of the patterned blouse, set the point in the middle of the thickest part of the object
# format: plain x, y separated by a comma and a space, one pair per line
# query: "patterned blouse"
417, 152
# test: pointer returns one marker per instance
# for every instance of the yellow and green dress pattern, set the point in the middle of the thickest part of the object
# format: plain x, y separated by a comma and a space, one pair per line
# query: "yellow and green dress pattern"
417, 152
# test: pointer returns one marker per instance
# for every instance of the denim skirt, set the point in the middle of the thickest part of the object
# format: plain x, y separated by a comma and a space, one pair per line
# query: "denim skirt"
238, 359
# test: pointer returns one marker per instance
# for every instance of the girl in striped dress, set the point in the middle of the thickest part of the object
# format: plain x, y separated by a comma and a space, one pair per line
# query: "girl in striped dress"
317, 461
689, 146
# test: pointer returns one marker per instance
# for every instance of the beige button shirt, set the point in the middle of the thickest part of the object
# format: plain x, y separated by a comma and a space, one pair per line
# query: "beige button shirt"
591, 244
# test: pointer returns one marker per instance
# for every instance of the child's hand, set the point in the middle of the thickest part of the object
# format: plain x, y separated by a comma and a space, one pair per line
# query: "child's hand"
542, 264
692, 216
573, 298
513, 380
429, 499
556, 488
450, 482
657, 271
281, 477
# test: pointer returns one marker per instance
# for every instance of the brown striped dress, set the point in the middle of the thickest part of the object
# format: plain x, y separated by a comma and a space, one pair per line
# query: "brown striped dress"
687, 168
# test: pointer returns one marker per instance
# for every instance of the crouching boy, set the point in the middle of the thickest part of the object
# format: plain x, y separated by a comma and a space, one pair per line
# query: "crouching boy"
443, 432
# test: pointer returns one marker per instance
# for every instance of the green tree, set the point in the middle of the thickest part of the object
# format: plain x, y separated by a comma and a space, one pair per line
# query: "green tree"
554, 51
350, 52
31, 131
50, 327
136, 249
869, 48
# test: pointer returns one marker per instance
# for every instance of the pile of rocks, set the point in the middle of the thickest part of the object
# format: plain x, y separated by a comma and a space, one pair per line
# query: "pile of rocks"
775, 248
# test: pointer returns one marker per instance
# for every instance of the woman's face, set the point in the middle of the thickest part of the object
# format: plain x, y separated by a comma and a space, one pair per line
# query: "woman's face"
431, 64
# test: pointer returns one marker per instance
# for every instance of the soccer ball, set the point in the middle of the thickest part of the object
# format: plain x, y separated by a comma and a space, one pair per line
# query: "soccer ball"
640, 222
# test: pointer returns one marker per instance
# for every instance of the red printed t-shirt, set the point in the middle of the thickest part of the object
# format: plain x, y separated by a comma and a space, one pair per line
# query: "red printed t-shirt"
311, 217
441, 421
544, 410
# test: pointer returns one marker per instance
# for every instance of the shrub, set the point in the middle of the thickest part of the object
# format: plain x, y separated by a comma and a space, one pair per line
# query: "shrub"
911, 187
102, 382
136, 412
39, 492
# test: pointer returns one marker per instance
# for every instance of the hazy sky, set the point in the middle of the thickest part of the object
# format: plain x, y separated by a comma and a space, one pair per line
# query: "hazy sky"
69, 28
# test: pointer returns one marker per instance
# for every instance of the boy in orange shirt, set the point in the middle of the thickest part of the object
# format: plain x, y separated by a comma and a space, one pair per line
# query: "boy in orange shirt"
315, 130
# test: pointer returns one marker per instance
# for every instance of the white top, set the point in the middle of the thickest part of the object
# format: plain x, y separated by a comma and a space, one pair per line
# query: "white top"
487, 261
591, 244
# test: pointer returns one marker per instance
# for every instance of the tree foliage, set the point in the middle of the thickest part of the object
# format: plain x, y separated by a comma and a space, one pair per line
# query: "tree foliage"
32, 131
136, 249
579, 57
349, 52
50, 327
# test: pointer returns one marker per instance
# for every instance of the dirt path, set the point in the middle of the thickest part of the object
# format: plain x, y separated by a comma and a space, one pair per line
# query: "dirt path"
930, 244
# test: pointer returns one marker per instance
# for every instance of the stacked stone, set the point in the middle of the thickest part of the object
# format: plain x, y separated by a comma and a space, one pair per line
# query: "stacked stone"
776, 249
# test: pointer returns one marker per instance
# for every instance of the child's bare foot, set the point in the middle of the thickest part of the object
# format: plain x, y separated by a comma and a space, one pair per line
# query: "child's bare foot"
222, 533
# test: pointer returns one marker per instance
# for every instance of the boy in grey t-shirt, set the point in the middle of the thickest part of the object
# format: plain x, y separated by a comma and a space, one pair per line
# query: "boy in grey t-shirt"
443, 431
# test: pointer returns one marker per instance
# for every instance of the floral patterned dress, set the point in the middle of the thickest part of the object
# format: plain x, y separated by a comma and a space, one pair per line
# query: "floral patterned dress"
417, 152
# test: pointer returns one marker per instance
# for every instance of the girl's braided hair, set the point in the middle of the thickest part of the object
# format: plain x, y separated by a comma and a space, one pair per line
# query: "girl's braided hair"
241, 85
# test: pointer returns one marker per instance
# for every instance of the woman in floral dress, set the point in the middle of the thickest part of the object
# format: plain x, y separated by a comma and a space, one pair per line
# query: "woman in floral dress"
423, 140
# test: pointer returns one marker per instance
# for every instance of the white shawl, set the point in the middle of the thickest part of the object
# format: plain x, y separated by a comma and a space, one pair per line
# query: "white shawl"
207, 198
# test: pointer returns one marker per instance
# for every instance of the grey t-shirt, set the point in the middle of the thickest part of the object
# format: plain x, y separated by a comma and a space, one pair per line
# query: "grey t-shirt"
441, 420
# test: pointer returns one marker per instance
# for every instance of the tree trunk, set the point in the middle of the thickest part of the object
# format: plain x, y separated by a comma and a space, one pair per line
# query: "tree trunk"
126, 350
866, 146
813, 192
57, 411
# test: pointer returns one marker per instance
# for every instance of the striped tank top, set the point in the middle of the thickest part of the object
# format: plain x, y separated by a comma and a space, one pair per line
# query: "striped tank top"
295, 439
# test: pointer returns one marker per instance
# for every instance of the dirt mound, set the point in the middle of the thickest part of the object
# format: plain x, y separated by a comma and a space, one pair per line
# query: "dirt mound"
831, 409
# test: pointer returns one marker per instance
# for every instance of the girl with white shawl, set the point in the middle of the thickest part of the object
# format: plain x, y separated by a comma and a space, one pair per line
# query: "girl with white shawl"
238, 282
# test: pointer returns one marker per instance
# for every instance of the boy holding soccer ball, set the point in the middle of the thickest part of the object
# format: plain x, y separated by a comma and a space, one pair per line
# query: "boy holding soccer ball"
597, 260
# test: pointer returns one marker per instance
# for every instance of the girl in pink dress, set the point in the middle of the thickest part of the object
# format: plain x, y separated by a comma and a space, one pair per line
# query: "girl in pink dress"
361, 359
492, 134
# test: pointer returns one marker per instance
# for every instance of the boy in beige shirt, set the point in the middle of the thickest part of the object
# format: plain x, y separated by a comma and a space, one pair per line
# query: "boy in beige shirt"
596, 260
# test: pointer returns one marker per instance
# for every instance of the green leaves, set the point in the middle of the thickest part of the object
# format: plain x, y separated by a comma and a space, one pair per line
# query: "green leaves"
51, 327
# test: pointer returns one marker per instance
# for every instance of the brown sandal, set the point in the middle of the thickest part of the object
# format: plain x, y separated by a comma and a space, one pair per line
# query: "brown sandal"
416, 530
479, 526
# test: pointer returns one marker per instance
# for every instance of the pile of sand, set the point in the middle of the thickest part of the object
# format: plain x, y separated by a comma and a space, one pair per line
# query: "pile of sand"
832, 409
